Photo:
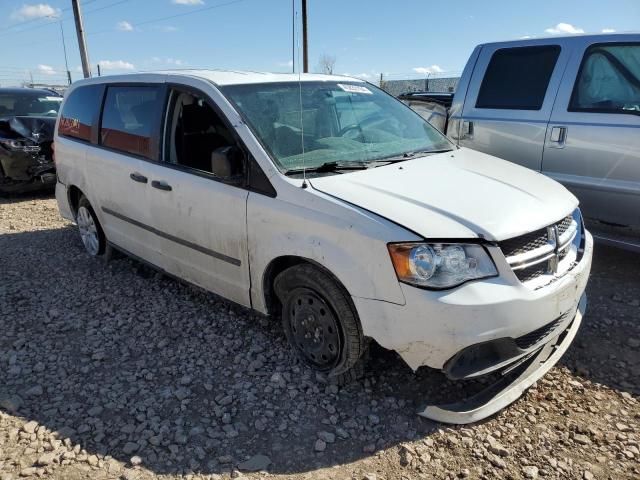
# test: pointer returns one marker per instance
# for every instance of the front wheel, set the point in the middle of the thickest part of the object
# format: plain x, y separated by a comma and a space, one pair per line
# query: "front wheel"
320, 322
90, 230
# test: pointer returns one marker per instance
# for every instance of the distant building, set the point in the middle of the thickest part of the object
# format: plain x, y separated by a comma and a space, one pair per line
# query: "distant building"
398, 87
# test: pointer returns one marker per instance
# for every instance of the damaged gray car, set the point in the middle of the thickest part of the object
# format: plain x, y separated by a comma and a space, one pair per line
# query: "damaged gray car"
27, 121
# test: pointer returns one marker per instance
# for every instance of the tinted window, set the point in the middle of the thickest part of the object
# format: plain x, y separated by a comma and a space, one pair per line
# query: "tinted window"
609, 80
517, 78
79, 112
129, 118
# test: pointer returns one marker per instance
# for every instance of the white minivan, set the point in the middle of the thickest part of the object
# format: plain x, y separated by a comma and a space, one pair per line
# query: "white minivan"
325, 202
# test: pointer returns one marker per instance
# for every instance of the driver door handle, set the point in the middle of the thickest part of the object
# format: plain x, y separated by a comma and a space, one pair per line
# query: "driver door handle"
161, 185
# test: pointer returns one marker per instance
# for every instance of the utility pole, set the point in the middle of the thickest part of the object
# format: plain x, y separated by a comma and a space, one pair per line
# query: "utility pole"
293, 36
305, 48
82, 44
99, 74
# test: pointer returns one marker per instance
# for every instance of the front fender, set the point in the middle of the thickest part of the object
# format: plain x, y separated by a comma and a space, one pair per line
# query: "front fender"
350, 243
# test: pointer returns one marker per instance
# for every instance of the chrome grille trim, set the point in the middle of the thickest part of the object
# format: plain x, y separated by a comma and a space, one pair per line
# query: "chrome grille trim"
541, 252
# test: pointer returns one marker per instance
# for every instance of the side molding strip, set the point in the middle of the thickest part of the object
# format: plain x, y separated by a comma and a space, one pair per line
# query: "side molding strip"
184, 243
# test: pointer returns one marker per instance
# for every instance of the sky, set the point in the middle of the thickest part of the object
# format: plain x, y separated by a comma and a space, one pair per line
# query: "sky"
400, 38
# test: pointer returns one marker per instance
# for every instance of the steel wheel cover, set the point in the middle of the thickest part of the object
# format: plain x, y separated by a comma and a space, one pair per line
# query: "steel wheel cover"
314, 329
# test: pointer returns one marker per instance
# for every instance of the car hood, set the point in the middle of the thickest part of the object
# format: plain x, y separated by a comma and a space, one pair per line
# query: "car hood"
455, 195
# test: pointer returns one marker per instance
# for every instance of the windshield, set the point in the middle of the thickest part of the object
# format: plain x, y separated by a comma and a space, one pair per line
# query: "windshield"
343, 122
29, 104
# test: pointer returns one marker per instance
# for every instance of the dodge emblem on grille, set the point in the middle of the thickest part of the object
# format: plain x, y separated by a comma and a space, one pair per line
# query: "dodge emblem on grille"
552, 233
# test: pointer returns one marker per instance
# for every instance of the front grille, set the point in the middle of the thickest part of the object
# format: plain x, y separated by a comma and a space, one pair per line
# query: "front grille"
538, 253
530, 273
524, 243
564, 225
530, 339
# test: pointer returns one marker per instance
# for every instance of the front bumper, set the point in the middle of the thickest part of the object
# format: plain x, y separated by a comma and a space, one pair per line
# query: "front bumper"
435, 326
512, 385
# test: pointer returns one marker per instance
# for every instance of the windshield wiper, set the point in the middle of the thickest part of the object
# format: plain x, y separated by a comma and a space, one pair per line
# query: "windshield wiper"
407, 156
329, 167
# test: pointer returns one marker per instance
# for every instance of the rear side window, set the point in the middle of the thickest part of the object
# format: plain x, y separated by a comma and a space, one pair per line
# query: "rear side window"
517, 78
79, 112
130, 118
608, 80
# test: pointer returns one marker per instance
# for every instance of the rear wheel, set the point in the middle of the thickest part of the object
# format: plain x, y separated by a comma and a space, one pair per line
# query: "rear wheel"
320, 322
90, 230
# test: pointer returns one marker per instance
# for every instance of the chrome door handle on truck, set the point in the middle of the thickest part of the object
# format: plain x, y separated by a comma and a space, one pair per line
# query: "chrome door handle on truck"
467, 129
558, 137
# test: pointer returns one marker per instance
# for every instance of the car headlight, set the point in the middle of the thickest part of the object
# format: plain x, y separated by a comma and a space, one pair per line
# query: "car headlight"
440, 265
18, 145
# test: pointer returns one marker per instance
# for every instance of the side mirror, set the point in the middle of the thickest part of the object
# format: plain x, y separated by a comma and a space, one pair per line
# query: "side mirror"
227, 161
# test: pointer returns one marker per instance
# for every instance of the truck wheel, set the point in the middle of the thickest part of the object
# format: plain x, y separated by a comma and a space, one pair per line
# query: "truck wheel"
320, 322
90, 230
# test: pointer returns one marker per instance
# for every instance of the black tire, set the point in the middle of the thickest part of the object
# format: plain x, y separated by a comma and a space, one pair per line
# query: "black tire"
312, 304
97, 248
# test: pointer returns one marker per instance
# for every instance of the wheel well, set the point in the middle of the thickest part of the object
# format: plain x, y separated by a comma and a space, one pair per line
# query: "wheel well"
74, 198
276, 267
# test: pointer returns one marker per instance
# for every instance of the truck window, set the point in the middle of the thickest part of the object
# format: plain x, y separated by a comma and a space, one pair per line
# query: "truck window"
79, 112
129, 117
517, 78
608, 80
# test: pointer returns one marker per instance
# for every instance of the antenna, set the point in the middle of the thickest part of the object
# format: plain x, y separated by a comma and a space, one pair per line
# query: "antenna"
304, 163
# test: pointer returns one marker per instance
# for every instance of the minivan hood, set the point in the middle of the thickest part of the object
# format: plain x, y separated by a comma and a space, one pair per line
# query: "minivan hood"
455, 195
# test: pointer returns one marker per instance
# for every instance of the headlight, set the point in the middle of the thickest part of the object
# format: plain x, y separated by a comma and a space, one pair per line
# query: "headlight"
440, 265
18, 146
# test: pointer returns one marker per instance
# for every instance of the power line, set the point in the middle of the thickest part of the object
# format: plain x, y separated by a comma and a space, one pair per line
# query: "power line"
59, 19
31, 20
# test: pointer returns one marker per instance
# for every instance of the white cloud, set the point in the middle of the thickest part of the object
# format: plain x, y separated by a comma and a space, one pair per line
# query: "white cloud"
188, 2
608, 30
176, 62
428, 70
40, 10
46, 69
525, 37
288, 63
168, 28
115, 65
564, 28
124, 26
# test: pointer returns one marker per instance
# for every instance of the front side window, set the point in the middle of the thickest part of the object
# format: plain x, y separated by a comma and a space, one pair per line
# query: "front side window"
129, 117
79, 112
608, 80
517, 78
198, 139
344, 122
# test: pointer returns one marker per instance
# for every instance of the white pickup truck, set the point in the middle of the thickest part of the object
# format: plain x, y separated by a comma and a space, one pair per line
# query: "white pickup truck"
568, 107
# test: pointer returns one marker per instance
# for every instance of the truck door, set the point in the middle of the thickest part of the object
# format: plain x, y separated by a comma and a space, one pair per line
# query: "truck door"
509, 100
593, 139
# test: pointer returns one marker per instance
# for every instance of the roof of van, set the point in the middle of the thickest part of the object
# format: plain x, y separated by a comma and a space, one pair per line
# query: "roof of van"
232, 77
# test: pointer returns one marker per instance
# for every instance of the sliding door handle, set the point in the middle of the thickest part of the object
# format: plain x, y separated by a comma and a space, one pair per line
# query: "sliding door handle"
137, 177
161, 185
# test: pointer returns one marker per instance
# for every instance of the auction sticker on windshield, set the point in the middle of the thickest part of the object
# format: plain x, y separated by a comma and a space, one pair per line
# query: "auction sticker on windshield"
355, 88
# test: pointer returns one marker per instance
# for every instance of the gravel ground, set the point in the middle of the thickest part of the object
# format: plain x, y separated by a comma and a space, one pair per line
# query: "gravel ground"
110, 370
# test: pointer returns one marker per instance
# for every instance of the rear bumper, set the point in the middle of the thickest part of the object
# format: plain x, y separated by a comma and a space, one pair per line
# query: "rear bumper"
62, 197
